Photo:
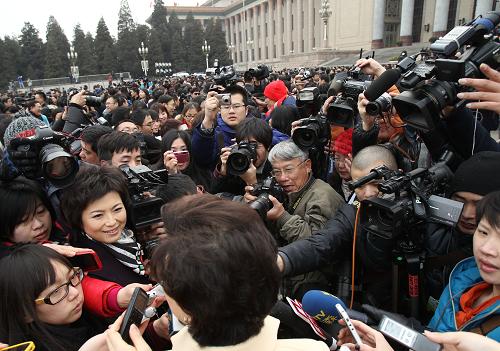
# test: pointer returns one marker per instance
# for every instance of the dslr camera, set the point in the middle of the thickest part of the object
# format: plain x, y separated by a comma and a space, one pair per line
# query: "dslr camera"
224, 76
432, 84
241, 156
54, 163
262, 190
312, 132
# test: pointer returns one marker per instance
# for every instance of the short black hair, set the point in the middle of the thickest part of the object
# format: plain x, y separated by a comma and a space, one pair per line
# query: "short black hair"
178, 186
218, 251
91, 184
488, 208
119, 114
31, 104
257, 128
165, 99
91, 135
138, 116
283, 116
116, 142
19, 197
236, 89
42, 94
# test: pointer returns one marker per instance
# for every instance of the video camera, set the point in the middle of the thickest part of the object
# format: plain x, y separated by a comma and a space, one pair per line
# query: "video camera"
224, 76
408, 200
261, 73
433, 83
145, 209
53, 162
347, 87
262, 190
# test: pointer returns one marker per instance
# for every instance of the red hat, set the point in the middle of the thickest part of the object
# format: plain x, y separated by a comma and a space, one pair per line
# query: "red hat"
275, 90
343, 143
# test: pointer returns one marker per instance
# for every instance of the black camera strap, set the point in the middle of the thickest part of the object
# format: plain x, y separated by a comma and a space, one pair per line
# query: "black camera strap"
296, 203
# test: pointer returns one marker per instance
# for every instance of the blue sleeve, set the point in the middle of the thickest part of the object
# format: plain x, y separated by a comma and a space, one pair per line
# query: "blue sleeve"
203, 148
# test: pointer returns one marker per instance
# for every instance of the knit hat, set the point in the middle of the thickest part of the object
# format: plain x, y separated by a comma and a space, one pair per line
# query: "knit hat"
275, 90
343, 143
479, 174
18, 126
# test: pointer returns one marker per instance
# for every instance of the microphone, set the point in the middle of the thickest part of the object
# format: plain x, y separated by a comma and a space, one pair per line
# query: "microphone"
321, 306
327, 308
382, 83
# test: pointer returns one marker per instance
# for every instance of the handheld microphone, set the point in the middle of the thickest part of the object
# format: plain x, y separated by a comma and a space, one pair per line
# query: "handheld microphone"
327, 308
382, 83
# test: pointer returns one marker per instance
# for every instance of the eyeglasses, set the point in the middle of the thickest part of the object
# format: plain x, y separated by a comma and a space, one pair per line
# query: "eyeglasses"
59, 293
228, 107
286, 171
190, 116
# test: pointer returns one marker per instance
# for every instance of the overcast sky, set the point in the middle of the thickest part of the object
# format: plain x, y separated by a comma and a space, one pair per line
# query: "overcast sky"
69, 12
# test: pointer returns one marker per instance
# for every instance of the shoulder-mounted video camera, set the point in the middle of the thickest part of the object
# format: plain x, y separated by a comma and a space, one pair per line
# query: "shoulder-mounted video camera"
432, 84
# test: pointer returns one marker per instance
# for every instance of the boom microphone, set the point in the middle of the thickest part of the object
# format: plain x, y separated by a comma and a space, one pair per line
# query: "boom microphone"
382, 84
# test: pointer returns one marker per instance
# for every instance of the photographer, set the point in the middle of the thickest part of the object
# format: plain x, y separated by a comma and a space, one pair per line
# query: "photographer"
89, 138
311, 201
257, 133
219, 128
76, 114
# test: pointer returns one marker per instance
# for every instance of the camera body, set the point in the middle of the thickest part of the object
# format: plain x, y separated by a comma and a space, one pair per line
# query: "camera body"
433, 83
53, 161
312, 132
262, 190
145, 210
342, 111
224, 99
224, 75
261, 73
241, 157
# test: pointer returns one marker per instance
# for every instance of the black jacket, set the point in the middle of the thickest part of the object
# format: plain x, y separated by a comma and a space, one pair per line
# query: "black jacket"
235, 185
75, 118
333, 246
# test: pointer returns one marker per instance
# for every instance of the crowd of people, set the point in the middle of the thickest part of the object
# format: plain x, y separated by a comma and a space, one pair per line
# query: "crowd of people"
203, 186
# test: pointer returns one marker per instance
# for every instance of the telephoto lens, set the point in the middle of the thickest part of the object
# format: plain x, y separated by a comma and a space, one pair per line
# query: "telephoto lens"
58, 166
382, 104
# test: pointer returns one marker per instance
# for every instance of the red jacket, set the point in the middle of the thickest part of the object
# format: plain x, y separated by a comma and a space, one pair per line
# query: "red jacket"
101, 297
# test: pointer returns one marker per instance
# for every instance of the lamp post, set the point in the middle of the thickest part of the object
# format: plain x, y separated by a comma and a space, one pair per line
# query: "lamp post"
325, 13
143, 51
72, 56
205, 48
163, 68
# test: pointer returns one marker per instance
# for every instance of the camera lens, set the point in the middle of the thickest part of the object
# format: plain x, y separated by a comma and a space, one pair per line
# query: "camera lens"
238, 163
262, 204
306, 137
58, 166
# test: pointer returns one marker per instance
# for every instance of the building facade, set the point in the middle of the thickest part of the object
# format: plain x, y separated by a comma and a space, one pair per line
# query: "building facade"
291, 33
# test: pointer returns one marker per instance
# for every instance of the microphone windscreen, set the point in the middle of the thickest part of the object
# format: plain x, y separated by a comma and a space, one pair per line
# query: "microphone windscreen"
321, 306
382, 83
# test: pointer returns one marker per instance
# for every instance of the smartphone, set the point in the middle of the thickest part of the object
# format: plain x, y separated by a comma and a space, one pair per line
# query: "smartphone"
24, 346
406, 336
348, 323
135, 311
87, 260
182, 156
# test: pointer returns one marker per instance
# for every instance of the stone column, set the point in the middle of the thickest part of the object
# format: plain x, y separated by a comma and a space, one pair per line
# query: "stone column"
232, 42
483, 6
309, 27
226, 30
378, 24
255, 37
299, 29
440, 18
239, 47
244, 35
279, 30
288, 26
406, 32
262, 34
